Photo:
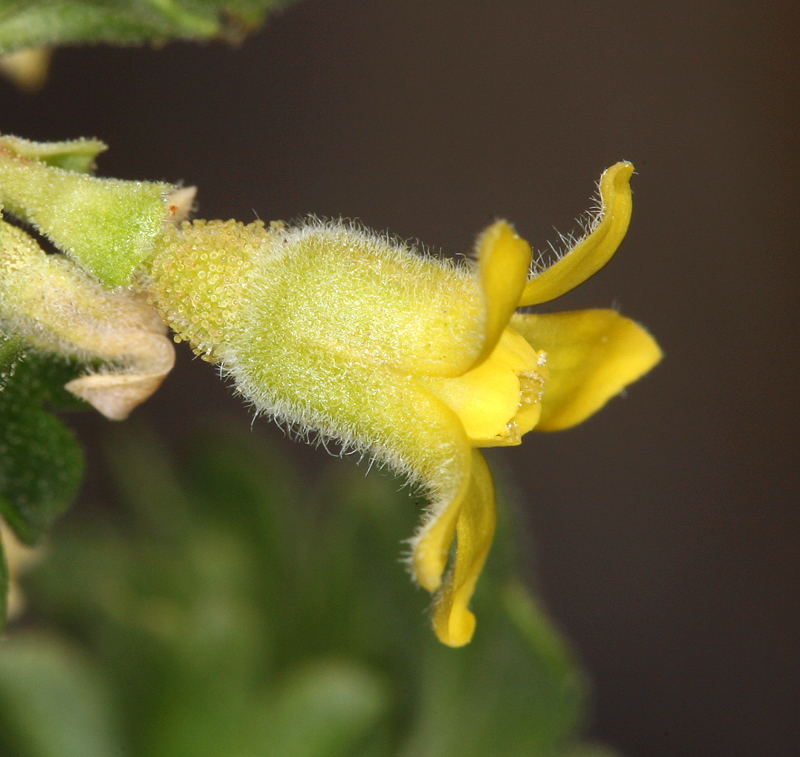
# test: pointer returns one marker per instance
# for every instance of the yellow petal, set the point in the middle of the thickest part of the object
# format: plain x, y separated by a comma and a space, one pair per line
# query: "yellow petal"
590, 255
591, 356
431, 545
498, 401
504, 259
485, 398
453, 622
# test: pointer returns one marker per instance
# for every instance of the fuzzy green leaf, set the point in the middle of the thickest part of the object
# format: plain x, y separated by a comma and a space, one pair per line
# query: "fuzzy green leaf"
41, 465
24, 24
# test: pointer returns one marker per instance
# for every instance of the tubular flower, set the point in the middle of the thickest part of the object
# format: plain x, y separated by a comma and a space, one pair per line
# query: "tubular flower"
414, 360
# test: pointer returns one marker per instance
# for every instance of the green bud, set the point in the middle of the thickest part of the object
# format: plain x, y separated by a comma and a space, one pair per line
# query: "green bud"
107, 225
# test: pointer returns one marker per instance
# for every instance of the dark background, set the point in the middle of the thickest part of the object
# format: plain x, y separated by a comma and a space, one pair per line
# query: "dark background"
666, 529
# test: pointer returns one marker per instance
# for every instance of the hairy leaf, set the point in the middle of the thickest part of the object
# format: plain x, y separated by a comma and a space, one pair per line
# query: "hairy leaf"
41, 464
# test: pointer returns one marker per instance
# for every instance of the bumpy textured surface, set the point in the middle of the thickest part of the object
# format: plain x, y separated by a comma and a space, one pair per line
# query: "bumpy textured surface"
217, 258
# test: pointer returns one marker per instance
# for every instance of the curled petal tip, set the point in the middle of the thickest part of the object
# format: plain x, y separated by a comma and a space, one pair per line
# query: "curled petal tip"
590, 254
453, 621
619, 172
456, 628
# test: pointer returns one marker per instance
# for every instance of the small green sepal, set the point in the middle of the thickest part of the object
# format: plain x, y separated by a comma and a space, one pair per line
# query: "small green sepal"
109, 226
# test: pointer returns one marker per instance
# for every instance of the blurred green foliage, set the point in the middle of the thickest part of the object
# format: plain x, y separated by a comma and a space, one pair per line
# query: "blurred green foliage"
234, 610
41, 464
68, 22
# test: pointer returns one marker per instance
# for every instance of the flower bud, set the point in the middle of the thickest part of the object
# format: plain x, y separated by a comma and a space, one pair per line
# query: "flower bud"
109, 226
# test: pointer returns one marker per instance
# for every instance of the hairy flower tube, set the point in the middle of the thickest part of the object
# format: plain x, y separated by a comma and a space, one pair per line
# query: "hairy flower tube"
414, 360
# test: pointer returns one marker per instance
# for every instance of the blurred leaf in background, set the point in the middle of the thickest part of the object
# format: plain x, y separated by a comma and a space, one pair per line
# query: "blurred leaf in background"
66, 22
52, 703
232, 610
29, 31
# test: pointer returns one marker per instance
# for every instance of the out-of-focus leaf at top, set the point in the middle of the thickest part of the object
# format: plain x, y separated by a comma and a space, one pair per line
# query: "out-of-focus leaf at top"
41, 464
26, 25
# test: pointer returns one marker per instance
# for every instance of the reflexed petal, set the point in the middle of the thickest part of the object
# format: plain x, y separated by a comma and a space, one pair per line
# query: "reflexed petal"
591, 356
590, 255
431, 545
453, 622
504, 259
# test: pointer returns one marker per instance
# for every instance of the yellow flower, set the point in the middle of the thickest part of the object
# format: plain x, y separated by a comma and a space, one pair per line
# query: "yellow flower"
414, 360
566, 366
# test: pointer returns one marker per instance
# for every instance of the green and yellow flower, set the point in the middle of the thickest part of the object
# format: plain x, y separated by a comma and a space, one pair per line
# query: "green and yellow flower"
411, 359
